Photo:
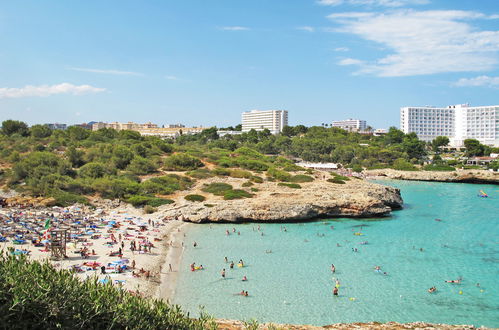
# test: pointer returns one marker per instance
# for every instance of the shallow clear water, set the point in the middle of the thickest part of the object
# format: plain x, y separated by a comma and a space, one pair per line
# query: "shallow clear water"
293, 284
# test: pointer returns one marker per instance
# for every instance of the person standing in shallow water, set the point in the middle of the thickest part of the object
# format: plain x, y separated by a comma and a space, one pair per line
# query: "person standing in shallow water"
223, 273
333, 269
335, 291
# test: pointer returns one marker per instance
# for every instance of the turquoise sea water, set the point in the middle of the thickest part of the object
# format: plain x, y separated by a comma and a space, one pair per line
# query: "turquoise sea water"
293, 284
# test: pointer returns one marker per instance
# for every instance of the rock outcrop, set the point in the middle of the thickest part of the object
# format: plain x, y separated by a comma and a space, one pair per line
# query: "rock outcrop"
464, 176
274, 203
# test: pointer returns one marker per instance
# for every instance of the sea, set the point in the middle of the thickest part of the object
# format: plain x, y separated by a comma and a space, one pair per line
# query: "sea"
445, 231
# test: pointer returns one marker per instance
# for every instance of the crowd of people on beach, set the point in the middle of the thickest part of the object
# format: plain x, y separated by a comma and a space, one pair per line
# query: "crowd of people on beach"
96, 242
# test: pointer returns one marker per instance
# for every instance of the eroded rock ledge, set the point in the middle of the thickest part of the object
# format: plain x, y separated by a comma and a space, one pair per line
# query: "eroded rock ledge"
274, 203
464, 176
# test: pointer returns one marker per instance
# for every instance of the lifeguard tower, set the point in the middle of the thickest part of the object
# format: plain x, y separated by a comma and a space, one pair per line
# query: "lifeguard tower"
58, 240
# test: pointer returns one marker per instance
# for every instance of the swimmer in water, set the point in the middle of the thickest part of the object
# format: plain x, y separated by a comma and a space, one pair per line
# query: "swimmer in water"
333, 269
338, 245
223, 273
231, 265
244, 278
335, 291
226, 260
432, 289
227, 232
453, 281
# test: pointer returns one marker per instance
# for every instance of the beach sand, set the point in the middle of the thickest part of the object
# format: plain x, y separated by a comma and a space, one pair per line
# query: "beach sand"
160, 283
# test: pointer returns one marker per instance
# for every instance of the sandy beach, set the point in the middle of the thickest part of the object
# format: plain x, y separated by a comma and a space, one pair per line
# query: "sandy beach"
121, 245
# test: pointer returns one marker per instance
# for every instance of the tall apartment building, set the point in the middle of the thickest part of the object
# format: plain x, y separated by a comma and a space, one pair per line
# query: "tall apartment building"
351, 125
273, 120
457, 122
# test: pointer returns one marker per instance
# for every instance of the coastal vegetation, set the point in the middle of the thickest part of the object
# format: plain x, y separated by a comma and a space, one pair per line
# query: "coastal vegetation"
76, 165
61, 300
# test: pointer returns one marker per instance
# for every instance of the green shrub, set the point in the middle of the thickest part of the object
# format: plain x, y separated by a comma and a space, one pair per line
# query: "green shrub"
139, 200
403, 165
278, 174
254, 189
182, 162
165, 185
209, 205
240, 174
357, 168
256, 179
290, 185
63, 198
60, 300
195, 198
438, 167
300, 178
217, 188
219, 171
335, 180
236, 194
340, 177
201, 173
141, 166
93, 170
292, 168
253, 165
247, 184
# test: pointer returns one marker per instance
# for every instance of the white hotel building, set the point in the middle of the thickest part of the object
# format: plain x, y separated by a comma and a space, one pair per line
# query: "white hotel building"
351, 125
457, 122
273, 120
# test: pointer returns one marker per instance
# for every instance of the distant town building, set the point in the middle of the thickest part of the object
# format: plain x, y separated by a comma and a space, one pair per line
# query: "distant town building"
123, 126
351, 125
380, 131
150, 129
222, 133
273, 120
57, 126
457, 122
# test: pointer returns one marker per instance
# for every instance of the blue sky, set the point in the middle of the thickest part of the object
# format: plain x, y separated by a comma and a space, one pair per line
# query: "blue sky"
203, 62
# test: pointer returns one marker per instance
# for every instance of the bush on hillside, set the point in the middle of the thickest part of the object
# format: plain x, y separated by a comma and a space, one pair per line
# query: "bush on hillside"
336, 180
60, 300
195, 198
289, 185
220, 171
403, 165
182, 162
217, 188
300, 178
235, 173
236, 194
256, 179
278, 174
201, 173
438, 167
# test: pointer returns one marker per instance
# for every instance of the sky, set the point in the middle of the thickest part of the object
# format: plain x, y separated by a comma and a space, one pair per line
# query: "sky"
203, 62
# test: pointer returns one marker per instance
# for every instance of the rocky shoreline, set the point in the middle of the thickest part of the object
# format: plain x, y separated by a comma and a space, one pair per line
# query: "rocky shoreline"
236, 325
273, 203
462, 176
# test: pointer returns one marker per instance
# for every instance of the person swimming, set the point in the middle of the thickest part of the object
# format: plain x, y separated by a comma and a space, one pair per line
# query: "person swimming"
335, 291
432, 289
453, 281
231, 265
223, 273
333, 269
244, 278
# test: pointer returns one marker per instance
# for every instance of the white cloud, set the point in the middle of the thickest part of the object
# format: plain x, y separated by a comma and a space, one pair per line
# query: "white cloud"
45, 90
306, 28
234, 28
479, 81
384, 3
350, 61
422, 42
115, 72
341, 49
171, 77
